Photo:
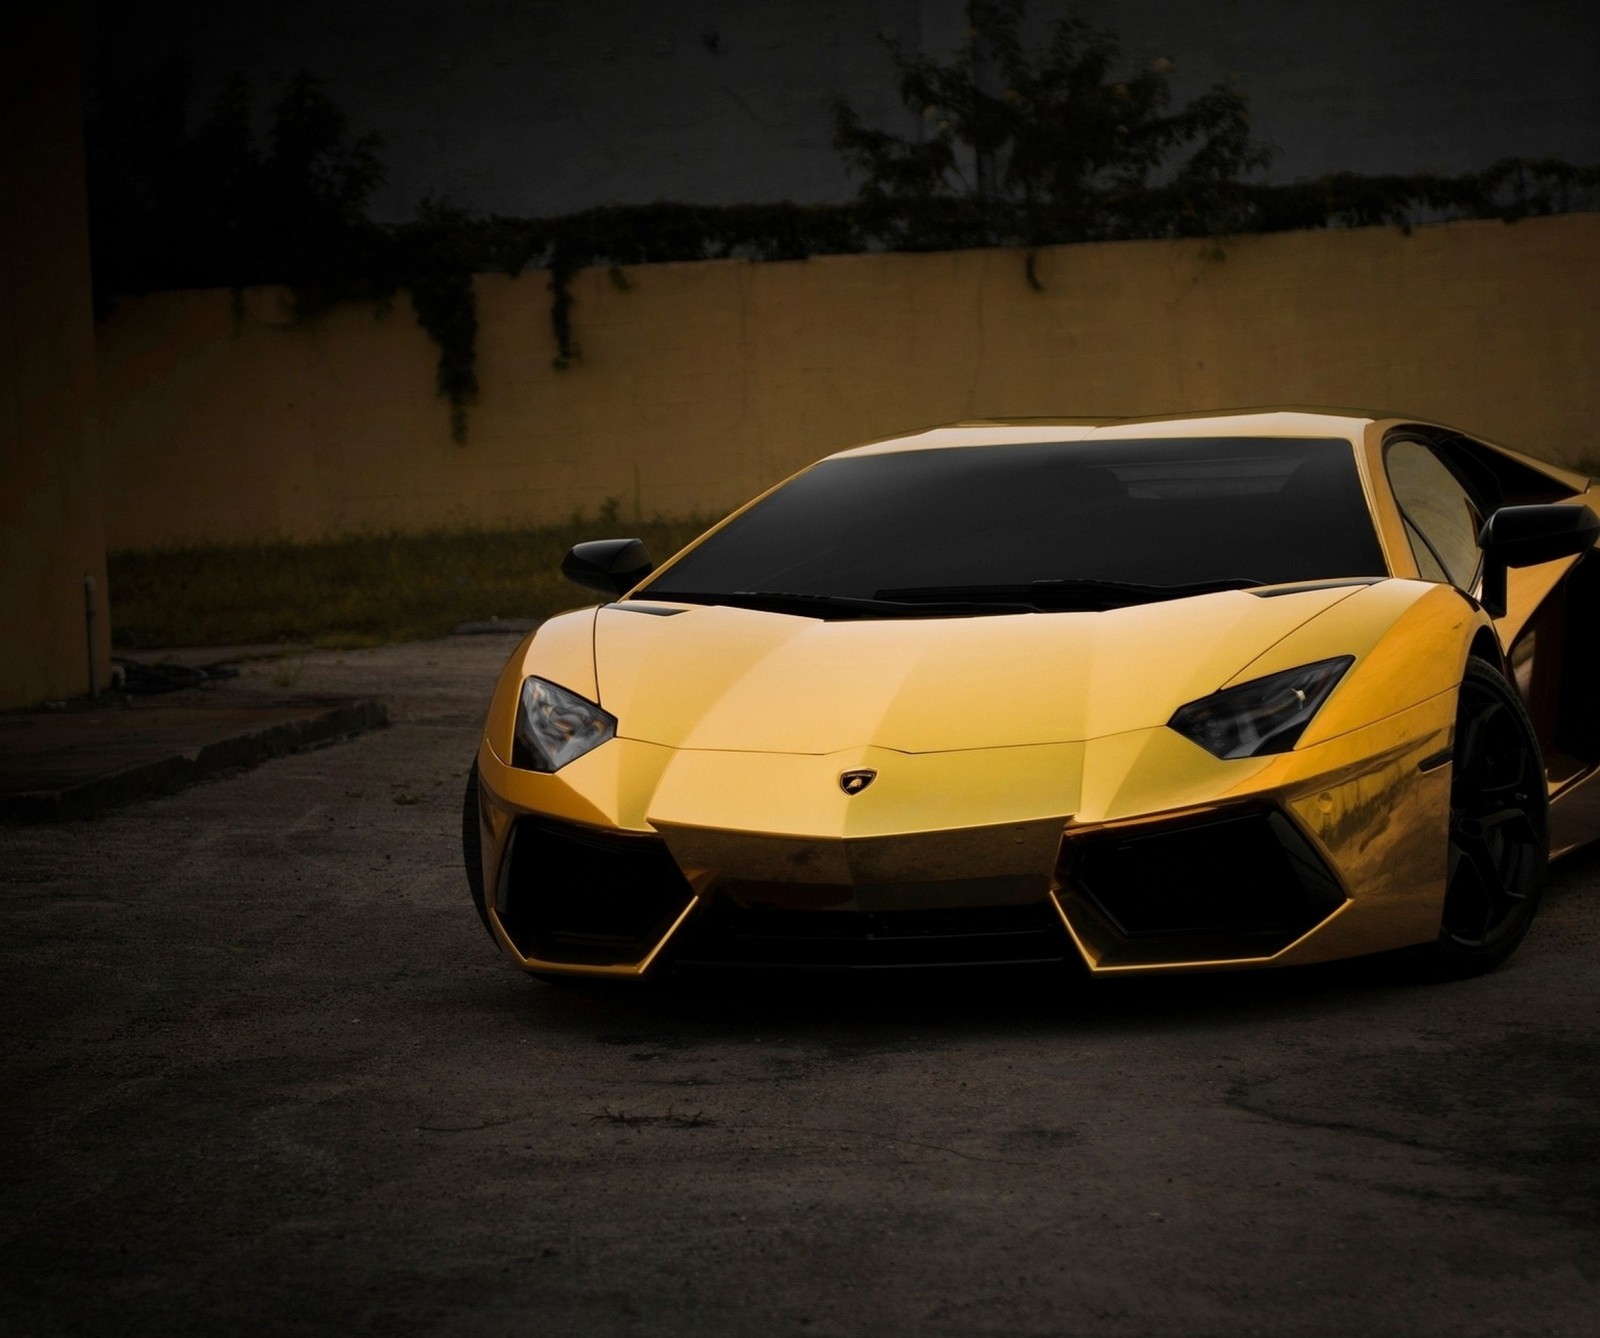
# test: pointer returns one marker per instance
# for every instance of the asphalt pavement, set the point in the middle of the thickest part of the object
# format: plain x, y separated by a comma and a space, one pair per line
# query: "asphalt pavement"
264, 1074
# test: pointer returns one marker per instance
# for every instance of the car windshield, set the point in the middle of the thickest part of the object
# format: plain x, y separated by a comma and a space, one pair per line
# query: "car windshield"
1049, 525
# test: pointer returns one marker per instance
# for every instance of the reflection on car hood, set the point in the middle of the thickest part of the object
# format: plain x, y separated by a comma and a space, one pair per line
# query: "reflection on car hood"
742, 680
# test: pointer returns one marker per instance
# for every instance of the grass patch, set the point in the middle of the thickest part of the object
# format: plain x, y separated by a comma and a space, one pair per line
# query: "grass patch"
365, 590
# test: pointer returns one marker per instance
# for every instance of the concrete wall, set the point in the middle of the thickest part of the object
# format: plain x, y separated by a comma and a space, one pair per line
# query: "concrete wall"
51, 536
702, 383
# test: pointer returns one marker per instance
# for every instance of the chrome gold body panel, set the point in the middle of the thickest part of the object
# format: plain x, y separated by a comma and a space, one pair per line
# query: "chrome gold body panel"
1019, 760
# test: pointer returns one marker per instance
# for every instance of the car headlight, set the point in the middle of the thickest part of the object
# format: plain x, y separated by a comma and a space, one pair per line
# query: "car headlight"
1265, 715
555, 727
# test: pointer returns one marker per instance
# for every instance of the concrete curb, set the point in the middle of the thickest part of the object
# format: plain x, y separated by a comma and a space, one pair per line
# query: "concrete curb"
87, 798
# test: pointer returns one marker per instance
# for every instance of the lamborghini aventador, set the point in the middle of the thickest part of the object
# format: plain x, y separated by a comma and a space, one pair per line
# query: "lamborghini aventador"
1249, 689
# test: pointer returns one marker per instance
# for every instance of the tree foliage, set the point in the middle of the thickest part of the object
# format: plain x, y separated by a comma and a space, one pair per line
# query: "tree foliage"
204, 202
1057, 145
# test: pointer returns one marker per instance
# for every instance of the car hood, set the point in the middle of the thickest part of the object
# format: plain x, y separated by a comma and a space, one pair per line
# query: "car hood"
742, 680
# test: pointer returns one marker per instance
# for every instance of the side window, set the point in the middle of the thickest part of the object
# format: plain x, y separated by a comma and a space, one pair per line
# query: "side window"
1427, 565
1441, 520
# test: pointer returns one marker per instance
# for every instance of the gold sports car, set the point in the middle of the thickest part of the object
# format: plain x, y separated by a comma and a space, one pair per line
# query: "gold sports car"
1236, 690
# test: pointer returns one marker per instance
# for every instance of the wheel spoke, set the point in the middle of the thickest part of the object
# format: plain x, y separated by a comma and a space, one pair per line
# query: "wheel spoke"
1487, 868
1471, 736
1470, 904
1492, 824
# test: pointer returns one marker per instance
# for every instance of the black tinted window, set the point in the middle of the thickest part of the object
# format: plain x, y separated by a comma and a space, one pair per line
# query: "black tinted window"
1156, 512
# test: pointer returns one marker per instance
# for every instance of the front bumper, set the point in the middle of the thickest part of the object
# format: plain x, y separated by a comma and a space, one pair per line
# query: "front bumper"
1135, 853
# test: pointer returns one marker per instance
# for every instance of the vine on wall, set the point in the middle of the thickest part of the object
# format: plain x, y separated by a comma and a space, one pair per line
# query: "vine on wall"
1021, 150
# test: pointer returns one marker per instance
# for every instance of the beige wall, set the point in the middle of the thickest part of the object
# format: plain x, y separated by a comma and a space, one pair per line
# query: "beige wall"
702, 383
51, 535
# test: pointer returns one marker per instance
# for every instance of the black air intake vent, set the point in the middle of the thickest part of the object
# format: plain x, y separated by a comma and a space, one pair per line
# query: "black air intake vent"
569, 894
729, 935
1234, 885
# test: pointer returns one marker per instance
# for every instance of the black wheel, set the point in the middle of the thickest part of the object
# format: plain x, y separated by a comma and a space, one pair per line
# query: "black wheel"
1498, 838
472, 847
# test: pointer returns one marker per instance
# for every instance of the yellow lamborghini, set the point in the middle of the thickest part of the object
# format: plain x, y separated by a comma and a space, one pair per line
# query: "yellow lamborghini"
1245, 689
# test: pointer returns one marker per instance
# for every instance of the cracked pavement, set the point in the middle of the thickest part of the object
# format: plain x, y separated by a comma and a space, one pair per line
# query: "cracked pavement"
264, 1074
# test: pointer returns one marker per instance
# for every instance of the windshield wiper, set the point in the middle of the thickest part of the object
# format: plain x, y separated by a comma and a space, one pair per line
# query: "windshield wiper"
1066, 594
838, 606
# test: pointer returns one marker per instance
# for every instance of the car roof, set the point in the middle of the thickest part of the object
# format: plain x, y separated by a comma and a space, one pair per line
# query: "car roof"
1276, 422
1352, 425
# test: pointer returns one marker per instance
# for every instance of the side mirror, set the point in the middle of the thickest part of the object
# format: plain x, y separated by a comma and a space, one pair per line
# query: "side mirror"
1524, 536
612, 565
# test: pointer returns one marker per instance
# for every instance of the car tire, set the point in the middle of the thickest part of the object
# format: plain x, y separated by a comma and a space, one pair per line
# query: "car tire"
472, 848
1498, 836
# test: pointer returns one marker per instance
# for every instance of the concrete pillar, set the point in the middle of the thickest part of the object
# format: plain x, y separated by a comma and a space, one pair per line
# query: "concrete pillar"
52, 536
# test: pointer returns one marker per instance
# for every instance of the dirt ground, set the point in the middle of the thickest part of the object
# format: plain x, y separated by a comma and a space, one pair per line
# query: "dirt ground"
263, 1074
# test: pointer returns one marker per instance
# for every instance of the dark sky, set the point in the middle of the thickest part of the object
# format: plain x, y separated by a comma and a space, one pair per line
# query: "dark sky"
545, 106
